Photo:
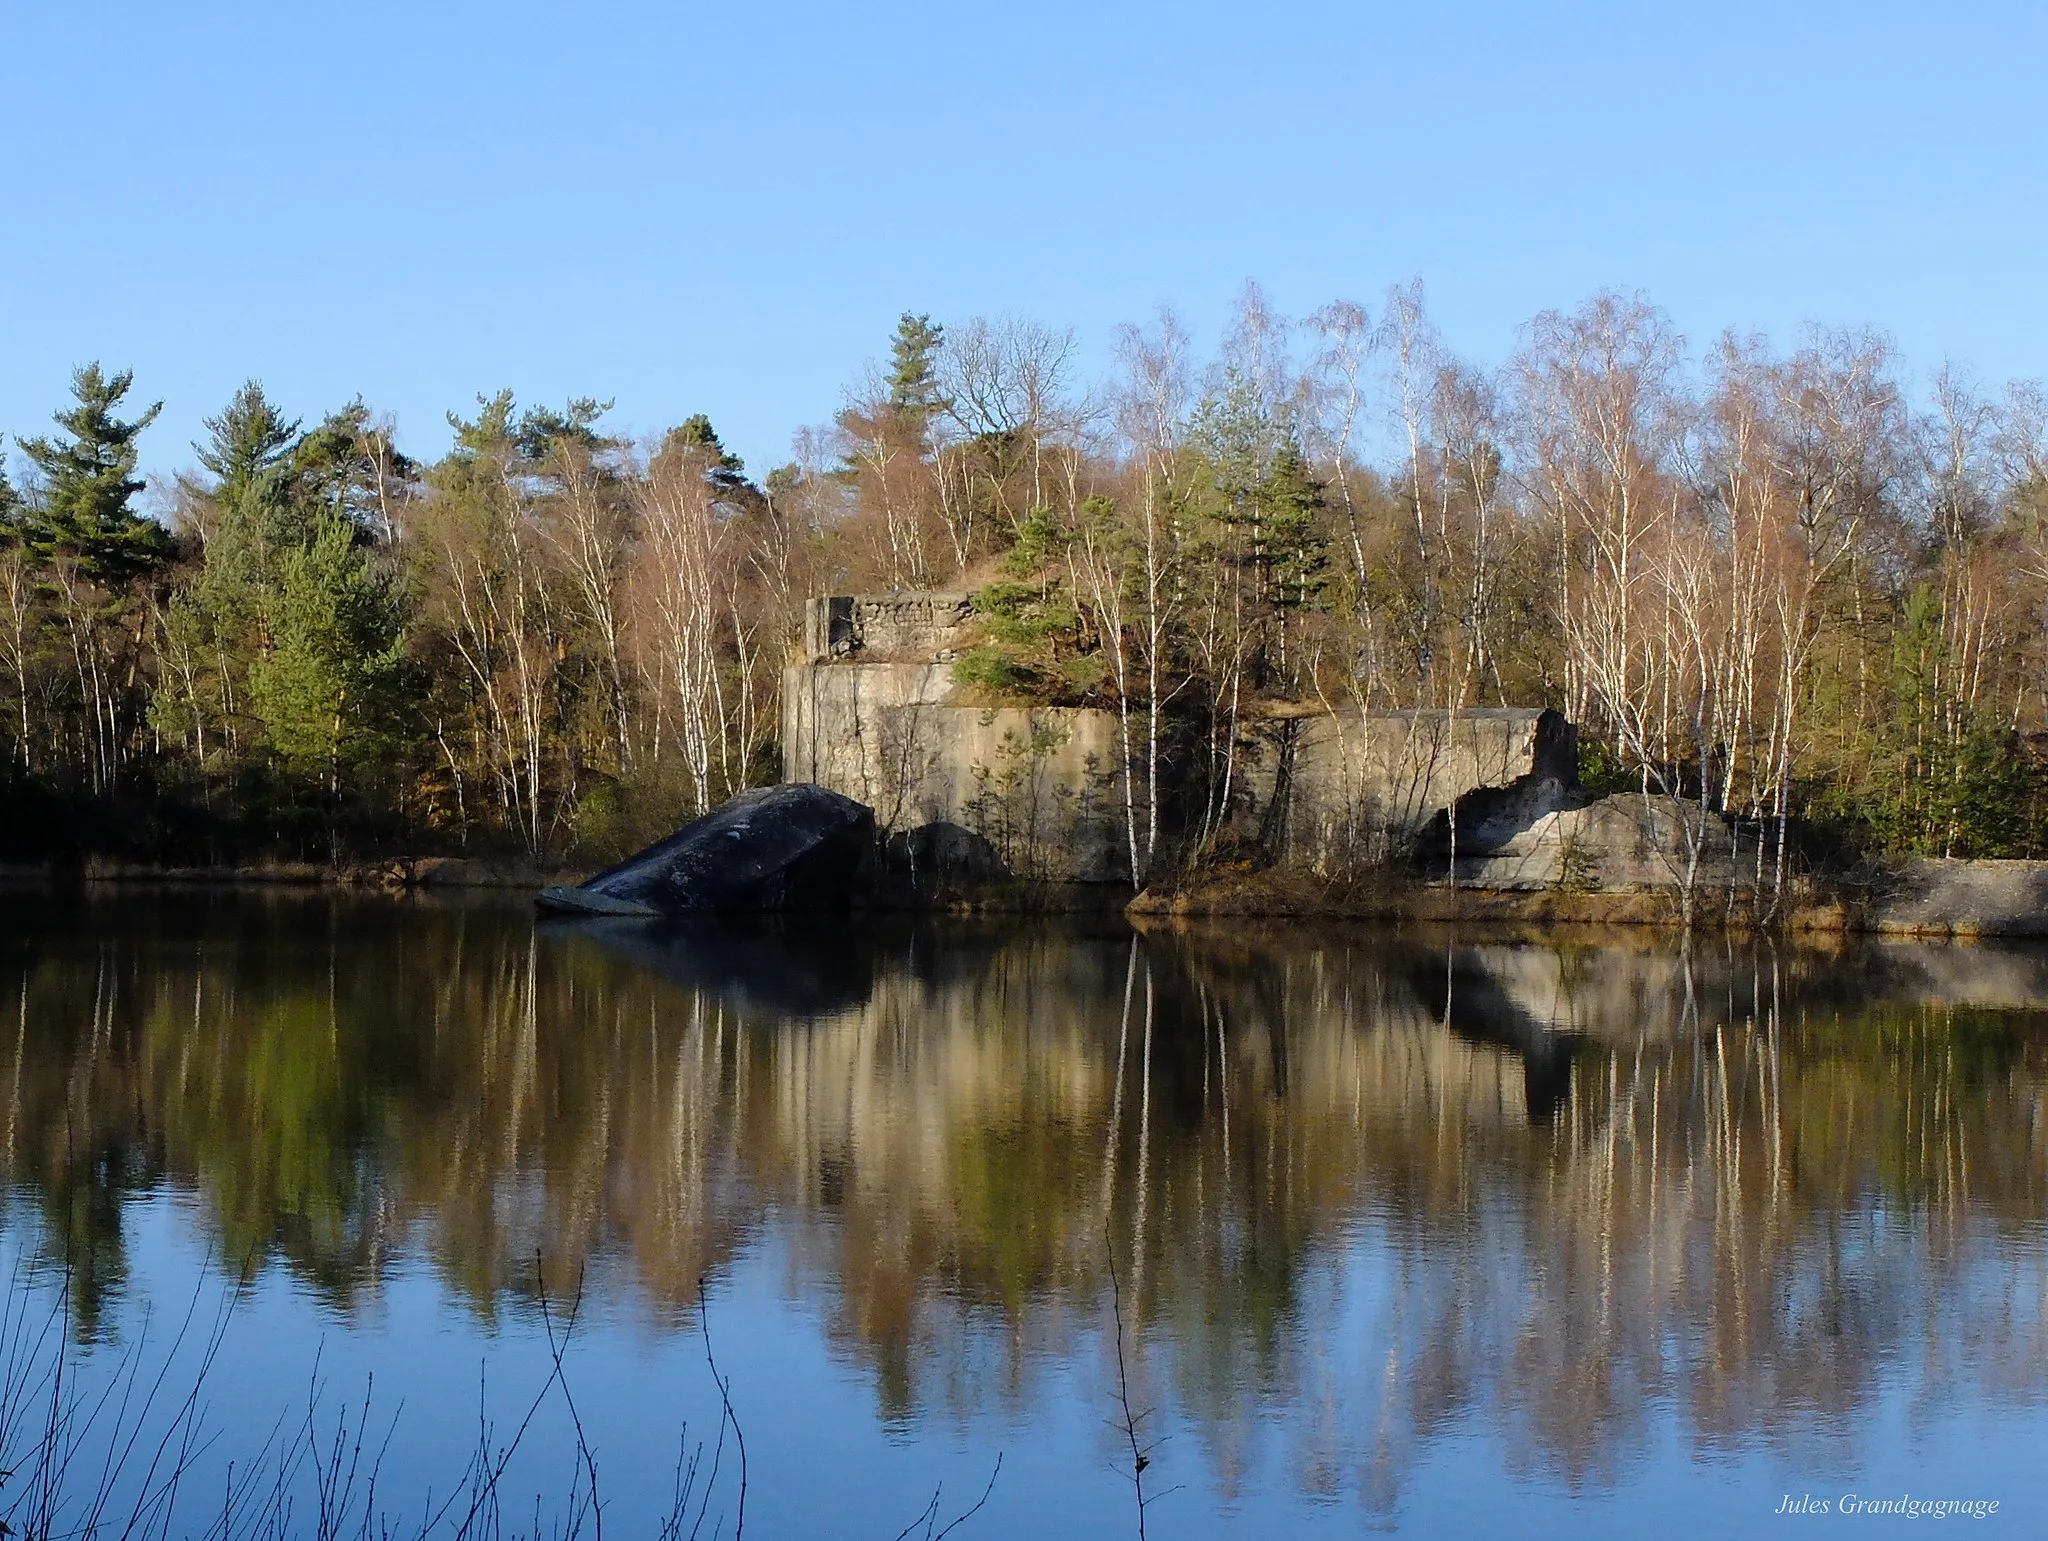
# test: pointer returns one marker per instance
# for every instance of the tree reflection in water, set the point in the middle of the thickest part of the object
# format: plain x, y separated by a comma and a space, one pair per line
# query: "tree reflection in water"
1372, 1190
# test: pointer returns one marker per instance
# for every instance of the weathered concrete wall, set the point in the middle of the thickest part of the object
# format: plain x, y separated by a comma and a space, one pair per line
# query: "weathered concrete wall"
915, 627
1334, 790
1041, 784
871, 713
1044, 785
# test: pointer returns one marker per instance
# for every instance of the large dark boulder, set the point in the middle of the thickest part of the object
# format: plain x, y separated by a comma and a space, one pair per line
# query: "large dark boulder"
774, 848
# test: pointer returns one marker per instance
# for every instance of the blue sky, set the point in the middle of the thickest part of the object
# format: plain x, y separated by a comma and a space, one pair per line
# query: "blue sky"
723, 209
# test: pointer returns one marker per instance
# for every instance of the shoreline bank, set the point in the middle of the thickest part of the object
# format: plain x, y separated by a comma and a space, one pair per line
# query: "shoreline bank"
1954, 899
395, 874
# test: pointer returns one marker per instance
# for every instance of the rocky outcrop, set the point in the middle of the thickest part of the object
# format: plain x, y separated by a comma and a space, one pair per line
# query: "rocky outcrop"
1965, 898
1623, 843
773, 848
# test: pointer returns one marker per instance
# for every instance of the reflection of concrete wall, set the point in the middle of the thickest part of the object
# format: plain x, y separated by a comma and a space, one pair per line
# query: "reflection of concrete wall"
1607, 995
1996, 978
1412, 1071
1025, 1037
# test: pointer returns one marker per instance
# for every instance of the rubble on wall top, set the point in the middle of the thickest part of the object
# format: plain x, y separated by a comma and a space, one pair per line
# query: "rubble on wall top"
926, 626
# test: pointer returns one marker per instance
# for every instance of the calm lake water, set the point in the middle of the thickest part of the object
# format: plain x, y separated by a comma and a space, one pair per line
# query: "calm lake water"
1408, 1232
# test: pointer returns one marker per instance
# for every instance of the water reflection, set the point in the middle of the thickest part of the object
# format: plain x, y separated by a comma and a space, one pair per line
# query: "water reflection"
1365, 1192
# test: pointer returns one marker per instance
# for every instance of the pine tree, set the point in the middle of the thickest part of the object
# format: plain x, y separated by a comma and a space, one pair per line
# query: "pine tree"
329, 692
248, 444
10, 512
914, 391
249, 450
696, 432
88, 483
541, 429
725, 470
1234, 433
486, 437
347, 465
1296, 546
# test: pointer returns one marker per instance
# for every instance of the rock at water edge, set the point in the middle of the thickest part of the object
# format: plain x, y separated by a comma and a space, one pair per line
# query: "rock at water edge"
774, 848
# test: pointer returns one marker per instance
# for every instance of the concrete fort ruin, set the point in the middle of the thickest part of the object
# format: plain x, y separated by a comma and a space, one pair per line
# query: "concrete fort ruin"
871, 711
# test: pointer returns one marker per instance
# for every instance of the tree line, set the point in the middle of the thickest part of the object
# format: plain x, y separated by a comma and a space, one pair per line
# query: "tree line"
1796, 587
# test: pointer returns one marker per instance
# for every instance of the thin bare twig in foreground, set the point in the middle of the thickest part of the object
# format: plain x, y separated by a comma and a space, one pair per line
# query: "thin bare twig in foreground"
967, 1514
1140, 1459
725, 1400
556, 1349
928, 1516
